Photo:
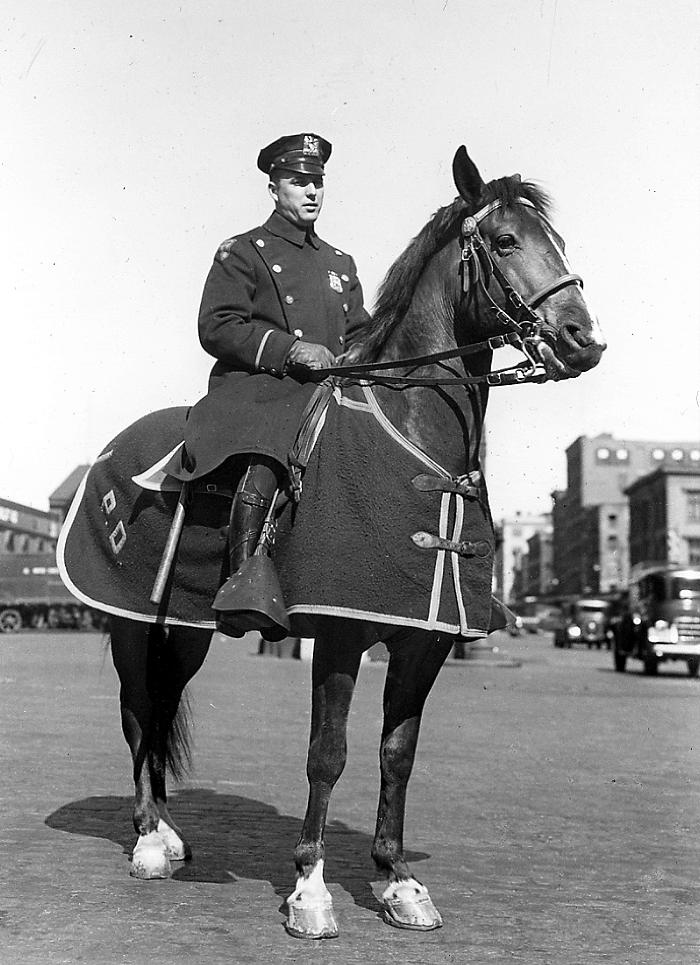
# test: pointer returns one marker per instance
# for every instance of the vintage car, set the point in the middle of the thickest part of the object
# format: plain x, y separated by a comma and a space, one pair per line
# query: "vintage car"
584, 620
662, 619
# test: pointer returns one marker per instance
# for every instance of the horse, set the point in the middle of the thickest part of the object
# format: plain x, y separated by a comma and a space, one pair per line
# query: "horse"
487, 270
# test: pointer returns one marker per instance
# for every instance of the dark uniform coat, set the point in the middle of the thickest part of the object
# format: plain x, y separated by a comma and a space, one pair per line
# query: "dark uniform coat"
267, 288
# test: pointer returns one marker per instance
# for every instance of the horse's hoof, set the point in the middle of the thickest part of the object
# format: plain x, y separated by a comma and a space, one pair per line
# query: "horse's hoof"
408, 905
175, 847
150, 859
313, 922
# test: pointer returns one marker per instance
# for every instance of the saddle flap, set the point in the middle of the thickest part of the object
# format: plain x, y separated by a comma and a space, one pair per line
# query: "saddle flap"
157, 478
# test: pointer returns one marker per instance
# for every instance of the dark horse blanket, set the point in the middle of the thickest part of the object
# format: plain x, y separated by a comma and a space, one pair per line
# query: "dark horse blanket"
348, 549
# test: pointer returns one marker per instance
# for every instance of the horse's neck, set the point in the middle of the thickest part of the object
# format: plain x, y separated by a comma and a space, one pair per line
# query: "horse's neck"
444, 421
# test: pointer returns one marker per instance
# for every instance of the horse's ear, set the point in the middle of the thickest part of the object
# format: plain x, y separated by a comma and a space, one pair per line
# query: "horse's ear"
466, 175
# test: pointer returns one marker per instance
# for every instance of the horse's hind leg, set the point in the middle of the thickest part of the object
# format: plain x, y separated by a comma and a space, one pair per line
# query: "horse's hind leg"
175, 665
153, 671
337, 654
415, 658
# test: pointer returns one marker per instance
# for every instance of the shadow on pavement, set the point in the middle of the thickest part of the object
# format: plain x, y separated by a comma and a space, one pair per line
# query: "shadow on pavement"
233, 837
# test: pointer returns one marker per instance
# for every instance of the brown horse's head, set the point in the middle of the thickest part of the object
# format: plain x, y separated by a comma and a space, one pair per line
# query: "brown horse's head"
520, 258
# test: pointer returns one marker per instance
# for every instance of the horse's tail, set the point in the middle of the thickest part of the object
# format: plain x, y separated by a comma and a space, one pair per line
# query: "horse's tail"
171, 724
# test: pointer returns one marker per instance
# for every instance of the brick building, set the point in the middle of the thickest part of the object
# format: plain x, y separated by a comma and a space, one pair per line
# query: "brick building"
512, 535
538, 573
61, 498
591, 517
24, 529
665, 517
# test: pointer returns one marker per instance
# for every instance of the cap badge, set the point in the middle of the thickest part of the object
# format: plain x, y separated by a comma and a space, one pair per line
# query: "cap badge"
311, 146
335, 282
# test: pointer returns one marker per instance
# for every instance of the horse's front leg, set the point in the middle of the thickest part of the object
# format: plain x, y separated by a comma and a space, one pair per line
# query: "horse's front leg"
337, 653
415, 658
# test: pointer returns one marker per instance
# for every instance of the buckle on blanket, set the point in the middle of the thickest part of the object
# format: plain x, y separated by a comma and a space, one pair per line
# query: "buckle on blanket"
427, 541
468, 485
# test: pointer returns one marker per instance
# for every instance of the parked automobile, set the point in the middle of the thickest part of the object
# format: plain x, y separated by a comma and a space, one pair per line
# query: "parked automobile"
662, 619
535, 615
32, 595
584, 620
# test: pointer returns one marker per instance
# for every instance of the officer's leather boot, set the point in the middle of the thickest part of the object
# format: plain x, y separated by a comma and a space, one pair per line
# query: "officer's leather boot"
251, 503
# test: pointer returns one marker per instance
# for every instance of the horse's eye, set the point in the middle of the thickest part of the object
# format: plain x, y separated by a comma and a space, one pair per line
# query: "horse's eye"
505, 242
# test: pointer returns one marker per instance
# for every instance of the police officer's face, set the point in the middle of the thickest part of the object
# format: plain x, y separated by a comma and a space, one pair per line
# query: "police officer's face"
298, 197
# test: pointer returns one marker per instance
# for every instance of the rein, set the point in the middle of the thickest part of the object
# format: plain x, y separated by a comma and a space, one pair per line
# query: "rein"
526, 331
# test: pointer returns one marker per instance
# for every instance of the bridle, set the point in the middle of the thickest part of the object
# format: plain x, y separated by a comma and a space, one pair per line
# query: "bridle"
525, 329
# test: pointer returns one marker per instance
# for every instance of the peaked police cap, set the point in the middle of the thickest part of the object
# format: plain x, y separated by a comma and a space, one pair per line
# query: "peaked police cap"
304, 153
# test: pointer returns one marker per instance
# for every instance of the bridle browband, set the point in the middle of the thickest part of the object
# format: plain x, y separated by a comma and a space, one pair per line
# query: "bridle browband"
525, 330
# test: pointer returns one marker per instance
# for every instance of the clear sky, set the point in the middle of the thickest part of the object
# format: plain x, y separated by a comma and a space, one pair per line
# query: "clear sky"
131, 132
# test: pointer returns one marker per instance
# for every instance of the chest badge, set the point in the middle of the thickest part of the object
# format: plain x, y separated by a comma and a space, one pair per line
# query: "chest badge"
335, 282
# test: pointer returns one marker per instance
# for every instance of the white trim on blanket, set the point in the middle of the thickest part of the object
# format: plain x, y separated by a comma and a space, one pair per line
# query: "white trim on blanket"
438, 573
369, 616
456, 536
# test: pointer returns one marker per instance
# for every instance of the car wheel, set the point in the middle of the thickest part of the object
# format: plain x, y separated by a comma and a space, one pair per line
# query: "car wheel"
10, 621
620, 661
693, 667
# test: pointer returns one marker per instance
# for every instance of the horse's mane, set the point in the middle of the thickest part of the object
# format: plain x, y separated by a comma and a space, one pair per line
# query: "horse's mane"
399, 284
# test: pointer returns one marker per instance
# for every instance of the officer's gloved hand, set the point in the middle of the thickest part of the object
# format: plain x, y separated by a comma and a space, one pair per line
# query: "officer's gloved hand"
307, 357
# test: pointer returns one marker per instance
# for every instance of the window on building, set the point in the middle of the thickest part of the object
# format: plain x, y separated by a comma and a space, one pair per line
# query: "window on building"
693, 551
612, 520
608, 456
692, 505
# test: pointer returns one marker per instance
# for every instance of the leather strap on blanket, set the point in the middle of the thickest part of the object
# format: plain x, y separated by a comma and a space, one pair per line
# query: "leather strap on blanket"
306, 436
469, 485
465, 547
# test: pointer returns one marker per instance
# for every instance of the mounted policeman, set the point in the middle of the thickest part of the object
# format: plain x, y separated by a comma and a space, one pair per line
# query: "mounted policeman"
279, 304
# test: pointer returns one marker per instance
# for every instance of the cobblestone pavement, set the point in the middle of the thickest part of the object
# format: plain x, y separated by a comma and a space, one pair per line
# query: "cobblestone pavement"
553, 813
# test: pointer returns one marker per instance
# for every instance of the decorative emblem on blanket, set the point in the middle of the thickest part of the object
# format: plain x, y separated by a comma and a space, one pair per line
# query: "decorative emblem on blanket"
117, 538
335, 282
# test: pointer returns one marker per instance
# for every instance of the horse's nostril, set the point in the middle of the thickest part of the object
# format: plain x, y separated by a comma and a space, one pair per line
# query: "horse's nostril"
576, 336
